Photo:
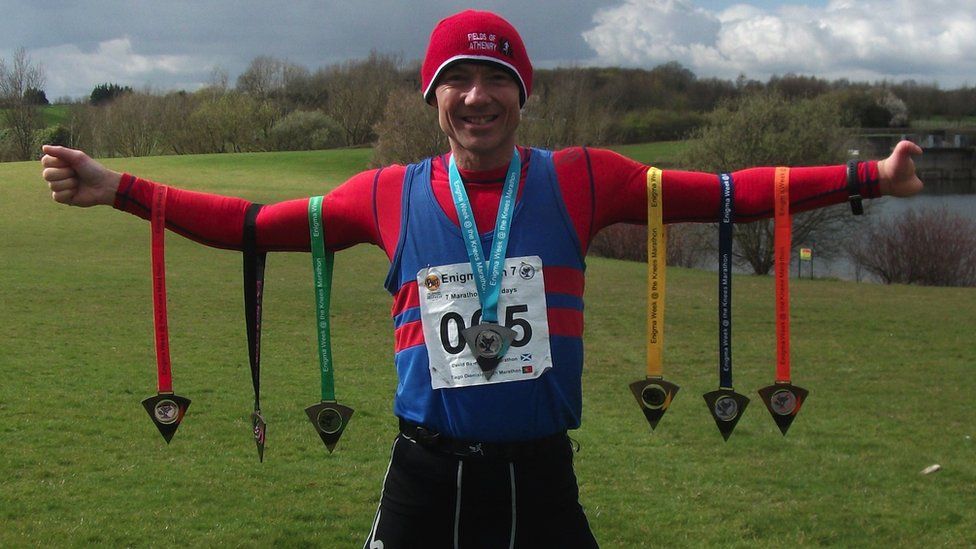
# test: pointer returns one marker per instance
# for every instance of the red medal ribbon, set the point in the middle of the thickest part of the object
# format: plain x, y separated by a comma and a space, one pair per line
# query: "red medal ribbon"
781, 245
163, 368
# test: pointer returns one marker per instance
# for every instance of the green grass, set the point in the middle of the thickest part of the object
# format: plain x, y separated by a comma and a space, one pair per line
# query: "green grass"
55, 114
890, 371
658, 153
942, 122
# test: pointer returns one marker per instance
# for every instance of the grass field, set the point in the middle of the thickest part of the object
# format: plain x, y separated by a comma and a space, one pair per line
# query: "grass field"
55, 114
658, 153
890, 371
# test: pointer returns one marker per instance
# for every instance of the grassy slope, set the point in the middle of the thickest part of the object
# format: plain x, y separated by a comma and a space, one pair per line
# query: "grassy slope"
889, 370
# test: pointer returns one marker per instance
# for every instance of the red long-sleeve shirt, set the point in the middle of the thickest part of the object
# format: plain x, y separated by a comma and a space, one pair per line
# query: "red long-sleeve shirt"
599, 187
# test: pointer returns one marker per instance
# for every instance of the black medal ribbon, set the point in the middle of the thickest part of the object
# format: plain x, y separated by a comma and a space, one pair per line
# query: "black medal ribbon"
254, 263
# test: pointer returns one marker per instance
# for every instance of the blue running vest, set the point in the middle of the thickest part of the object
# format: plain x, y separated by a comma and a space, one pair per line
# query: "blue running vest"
499, 412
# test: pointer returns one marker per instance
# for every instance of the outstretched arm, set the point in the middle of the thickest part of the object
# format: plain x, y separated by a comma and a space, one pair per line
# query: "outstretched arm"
214, 220
619, 190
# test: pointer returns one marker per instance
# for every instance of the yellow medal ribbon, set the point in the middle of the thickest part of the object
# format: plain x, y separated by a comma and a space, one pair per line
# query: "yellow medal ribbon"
656, 268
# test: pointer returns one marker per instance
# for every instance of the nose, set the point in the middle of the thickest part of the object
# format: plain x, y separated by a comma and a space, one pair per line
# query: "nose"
477, 94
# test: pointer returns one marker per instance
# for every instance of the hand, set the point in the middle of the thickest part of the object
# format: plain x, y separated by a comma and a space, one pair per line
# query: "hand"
77, 180
897, 172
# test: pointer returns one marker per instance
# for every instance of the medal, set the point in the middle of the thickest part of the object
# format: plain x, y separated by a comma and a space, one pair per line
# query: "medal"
488, 340
328, 416
783, 399
724, 404
165, 409
330, 419
726, 407
254, 263
654, 394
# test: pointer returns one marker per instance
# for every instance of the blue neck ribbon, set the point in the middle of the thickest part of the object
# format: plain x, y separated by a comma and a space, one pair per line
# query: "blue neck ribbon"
487, 274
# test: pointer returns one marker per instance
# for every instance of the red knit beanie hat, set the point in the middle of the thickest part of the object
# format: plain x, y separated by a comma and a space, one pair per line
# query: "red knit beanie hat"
475, 36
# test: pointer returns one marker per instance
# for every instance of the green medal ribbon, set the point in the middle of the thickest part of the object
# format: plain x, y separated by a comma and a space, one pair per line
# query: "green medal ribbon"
329, 417
322, 262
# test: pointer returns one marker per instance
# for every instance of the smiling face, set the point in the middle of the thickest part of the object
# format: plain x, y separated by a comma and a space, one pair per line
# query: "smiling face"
478, 110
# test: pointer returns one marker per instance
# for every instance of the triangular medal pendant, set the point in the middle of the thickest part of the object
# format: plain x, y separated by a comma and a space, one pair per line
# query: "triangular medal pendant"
488, 365
488, 343
783, 401
166, 411
726, 407
654, 396
330, 419
259, 429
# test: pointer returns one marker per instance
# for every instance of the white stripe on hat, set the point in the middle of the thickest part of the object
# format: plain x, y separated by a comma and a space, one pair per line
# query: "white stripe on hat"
467, 57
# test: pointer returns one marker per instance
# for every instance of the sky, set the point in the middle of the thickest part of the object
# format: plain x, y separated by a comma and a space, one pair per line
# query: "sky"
178, 44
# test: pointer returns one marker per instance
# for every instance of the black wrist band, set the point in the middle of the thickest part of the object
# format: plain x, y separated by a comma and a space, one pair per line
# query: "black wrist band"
854, 187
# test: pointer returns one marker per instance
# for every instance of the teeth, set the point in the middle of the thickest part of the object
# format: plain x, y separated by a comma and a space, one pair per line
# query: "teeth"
479, 119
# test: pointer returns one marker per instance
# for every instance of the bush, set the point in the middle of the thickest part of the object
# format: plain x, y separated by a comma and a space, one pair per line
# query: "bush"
304, 131
929, 247
688, 245
54, 135
8, 151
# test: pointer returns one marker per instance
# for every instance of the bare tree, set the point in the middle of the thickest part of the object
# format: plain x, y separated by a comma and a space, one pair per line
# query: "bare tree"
358, 92
408, 131
562, 112
21, 116
266, 77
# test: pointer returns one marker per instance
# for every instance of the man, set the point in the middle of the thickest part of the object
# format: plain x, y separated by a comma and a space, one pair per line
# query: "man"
486, 246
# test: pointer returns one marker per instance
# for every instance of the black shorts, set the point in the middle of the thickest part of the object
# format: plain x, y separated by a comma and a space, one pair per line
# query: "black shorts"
433, 499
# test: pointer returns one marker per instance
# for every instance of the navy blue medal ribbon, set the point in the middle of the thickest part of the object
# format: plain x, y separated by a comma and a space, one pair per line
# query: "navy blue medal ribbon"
725, 405
488, 340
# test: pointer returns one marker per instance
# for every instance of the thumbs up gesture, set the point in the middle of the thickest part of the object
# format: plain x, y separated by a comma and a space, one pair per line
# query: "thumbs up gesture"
77, 180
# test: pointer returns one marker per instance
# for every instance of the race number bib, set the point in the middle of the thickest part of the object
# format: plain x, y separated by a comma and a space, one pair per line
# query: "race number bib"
449, 304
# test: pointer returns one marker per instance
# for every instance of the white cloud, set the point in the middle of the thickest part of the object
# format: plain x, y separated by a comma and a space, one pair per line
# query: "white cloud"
869, 39
76, 72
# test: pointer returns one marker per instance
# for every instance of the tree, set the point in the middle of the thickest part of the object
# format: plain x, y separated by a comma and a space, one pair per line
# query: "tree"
21, 116
233, 122
103, 94
408, 131
35, 96
561, 112
267, 77
764, 129
358, 92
